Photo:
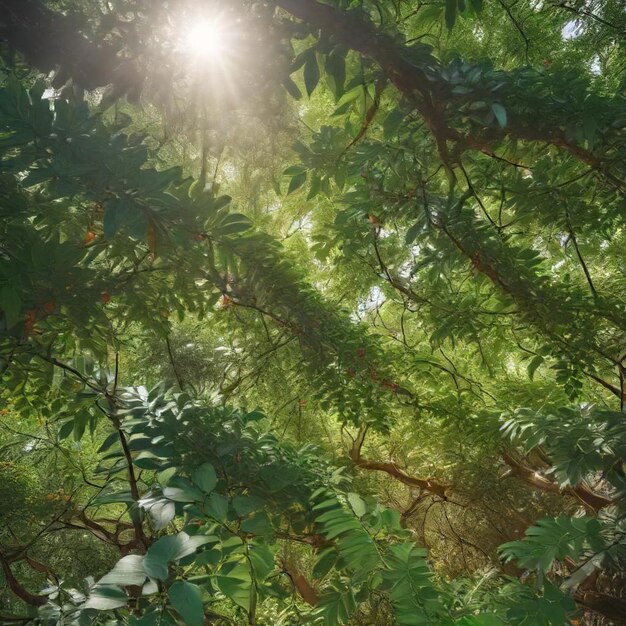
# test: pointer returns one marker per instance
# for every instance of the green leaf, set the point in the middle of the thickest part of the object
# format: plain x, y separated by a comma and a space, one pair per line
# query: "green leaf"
535, 362
180, 489
294, 170
246, 504
66, 430
150, 618
114, 497
311, 73
292, 88
450, 13
276, 479
10, 304
171, 548
234, 223
217, 507
324, 563
236, 589
407, 579
484, 619
160, 509
554, 538
500, 112
296, 182
337, 605
335, 67
315, 188
412, 233
262, 559
258, 524
106, 598
153, 617
205, 477
358, 504
392, 122
109, 222
186, 598
148, 460
128, 570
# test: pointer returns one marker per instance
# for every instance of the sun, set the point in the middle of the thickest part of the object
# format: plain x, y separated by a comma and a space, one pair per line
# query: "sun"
207, 39
211, 48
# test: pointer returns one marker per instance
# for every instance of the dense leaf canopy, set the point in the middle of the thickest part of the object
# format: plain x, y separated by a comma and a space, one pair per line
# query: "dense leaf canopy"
312, 312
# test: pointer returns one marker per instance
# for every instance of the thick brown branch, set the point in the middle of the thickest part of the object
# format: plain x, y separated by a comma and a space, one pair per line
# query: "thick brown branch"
16, 587
355, 31
389, 467
393, 470
418, 82
608, 606
590, 499
304, 588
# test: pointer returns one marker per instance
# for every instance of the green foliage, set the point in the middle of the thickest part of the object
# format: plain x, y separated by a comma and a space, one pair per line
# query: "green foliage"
186, 599
409, 581
579, 441
441, 245
554, 539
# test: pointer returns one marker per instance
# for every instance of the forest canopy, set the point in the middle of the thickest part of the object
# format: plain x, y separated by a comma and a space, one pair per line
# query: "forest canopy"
313, 312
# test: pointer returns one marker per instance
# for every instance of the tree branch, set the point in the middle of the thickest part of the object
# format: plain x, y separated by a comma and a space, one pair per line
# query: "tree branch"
50, 40
590, 499
16, 587
304, 588
420, 83
393, 470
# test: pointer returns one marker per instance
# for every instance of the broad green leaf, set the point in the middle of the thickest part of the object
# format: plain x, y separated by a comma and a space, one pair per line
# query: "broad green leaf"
246, 504
392, 122
186, 598
171, 548
105, 598
311, 72
160, 509
216, 506
335, 67
111, 498
180, 489
292, 88
262, 559
500, 112
235, 589
128, 570
205, 477
358, 504
296, 182
324, 563
535, 362
258, 524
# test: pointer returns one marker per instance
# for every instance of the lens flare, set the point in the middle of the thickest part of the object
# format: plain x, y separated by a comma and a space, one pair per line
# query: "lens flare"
206, 39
